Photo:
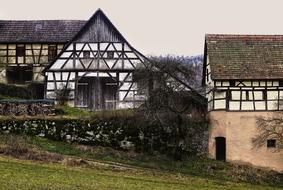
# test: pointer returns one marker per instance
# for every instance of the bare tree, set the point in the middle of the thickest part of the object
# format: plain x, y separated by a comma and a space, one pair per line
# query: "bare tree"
270, 128
62, 95
170, 99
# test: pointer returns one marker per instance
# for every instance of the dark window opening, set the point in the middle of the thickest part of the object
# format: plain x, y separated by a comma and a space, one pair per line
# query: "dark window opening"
20, 51
247, 95
229, 95
264, 95
232, 83
86, 54
19, 75
271, 143
110, 54
52, 52
281, 83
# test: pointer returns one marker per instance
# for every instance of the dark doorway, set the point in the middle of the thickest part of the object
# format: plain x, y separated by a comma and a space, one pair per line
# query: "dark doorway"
220, 148
97, 93
19, 74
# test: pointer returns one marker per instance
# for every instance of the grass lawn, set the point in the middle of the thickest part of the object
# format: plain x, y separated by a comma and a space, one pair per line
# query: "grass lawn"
207, 168
27, 175
38, 163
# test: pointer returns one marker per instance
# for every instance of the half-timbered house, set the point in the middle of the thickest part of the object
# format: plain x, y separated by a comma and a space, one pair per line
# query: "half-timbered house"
91, 60
97, 67
243, 76
27, 47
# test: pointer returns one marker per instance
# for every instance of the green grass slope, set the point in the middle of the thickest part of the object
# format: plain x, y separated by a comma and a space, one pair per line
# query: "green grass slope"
37, 163
25, 175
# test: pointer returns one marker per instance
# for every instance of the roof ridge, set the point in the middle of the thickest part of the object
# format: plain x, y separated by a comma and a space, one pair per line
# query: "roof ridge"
244, 36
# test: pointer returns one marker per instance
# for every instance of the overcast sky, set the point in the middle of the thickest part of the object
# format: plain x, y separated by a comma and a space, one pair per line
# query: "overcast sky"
157, 27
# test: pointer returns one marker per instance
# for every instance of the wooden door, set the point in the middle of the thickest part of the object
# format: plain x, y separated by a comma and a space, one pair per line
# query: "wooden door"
83, 95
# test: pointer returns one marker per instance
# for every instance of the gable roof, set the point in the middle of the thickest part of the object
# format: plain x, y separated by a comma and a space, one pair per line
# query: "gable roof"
39, 31
245, 56
97, 15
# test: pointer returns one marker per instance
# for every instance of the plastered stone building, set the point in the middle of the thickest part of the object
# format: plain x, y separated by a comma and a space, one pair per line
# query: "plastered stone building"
243, 76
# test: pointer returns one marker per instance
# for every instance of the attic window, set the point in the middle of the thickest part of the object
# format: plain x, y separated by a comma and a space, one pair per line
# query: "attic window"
52, 52
20, 51
86, 54
232, 83
271, 143
110, 54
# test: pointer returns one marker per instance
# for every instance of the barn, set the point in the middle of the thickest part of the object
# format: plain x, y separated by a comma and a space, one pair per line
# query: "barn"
97, 67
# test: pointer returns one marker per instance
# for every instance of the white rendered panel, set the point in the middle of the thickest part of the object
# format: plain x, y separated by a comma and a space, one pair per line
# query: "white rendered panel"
247, 105
49, 76
260, 105
219, 104
236, 95
258, 95
234, 105
220, 94
50, 86
271, 95
272, 105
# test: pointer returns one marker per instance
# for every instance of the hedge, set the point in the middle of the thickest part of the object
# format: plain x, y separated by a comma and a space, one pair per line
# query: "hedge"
122, 132
33, 90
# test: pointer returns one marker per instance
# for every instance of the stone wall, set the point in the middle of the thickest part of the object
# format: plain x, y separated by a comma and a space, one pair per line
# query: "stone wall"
26, 107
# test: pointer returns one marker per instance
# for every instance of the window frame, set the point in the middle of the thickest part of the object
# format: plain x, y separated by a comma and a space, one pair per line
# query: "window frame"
52, 56
110, 54
86, 54
20, 51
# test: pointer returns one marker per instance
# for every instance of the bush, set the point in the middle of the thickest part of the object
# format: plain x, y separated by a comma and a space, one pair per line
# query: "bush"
30, 91
10, 90
36, 90
121, 130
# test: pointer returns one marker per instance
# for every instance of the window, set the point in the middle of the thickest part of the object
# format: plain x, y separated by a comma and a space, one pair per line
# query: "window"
271, 143
247, 95
232, 83
264, 95
52, 52
110, 54
86, 54
20, 50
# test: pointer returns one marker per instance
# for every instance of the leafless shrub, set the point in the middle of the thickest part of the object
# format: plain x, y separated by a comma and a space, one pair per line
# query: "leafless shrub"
62, 95
269, 128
